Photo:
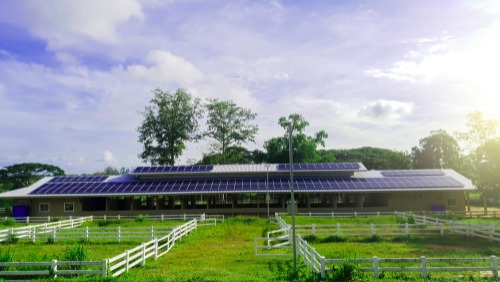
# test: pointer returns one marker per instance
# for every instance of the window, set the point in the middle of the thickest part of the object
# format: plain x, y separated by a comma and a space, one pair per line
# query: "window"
69, 207
44, 207
452, 202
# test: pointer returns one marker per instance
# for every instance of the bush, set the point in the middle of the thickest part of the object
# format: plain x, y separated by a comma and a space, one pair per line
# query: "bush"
9, 221
12, 238
5, 256
311, 238
334, 239
411, 219
345, 271
104, 223
141, 218
55, 218
375, 238
78, 253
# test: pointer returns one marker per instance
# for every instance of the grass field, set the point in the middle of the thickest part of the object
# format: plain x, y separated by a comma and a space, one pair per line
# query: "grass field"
225, 253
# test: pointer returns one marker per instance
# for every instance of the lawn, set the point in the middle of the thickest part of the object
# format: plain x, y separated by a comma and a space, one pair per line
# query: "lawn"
225, 252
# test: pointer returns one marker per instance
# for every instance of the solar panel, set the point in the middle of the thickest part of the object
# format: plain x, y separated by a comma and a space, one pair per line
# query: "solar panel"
171, 169
77, 179
228, 185
322, 167
400, 173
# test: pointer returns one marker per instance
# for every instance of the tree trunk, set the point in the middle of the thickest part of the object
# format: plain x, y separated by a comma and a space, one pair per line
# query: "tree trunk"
485, 203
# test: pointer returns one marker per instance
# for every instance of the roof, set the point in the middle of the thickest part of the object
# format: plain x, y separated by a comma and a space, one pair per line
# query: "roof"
259, 178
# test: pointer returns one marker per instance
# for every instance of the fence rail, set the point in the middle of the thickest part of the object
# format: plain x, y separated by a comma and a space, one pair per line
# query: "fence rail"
52, 268
318, 263
28, 231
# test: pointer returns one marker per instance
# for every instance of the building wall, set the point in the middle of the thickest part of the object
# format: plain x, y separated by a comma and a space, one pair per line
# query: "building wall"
396, 201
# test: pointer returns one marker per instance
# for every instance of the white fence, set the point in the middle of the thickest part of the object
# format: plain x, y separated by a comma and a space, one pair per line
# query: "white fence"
318, 263
108, 267
51, 268
31, 230
154, 248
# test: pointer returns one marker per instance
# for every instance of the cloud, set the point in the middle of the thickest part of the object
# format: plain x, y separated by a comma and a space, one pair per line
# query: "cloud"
166, 67
386, 110
108, 156
68, 23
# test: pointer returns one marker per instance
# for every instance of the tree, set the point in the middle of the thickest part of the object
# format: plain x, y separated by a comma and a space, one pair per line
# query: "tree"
229, 125
479, 130
438, 150
304, 147
488, 167
169, 122
234, 155
375, 158
25, 174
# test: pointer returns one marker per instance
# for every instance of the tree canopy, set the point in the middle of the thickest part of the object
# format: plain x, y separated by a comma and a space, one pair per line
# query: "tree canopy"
25, 174
229, 126
489, 166
304, 147
375, 158
438, 150
169, 122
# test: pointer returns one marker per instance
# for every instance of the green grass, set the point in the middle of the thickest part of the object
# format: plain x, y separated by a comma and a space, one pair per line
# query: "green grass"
383, 219
225, 253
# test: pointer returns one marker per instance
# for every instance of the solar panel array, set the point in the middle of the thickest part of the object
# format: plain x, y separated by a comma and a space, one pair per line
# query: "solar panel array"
78, 179
322, 166
241, 185
399, 173
171, 169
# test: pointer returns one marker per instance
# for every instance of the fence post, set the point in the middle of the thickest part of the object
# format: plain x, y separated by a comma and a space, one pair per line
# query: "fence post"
104, 267
184, 217
86, 233
118, 235
33, 234
494, 267
126, 260
441, 229
27, 220
151, 233
407, 229
54, 234
156, 248
372, 229
162, 217
338, 229
48, 218
313, 229
378, 213
104, 217
424, 267
491, 232
375, 266
143, 257
53, 268
323, 267
118, 217
333, 214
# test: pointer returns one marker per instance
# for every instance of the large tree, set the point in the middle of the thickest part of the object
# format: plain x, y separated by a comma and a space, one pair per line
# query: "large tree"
229, 126
25, 174
375, 158
478, 131
234, 155
304, 147
169, 122
438, 150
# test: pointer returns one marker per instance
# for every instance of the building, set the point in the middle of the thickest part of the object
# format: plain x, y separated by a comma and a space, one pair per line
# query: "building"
243, 189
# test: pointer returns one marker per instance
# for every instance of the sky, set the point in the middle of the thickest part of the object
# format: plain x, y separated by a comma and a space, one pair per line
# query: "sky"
75, 75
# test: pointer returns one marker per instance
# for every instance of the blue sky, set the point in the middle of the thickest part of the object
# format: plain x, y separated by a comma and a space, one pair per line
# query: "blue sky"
75, 74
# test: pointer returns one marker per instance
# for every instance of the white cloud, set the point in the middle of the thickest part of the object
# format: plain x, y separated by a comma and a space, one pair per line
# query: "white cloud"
108, 156
66, 23
166, 67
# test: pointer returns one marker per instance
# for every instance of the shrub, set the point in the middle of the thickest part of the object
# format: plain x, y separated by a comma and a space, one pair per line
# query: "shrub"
345, 271
334, 239
5, 256
104, 223
411, 219
9, 221
12, 238
311, 238
141, 218
78, 253
375, 238
55, 218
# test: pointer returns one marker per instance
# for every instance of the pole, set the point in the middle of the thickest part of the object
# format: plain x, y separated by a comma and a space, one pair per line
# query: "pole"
267, 188
294, 206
